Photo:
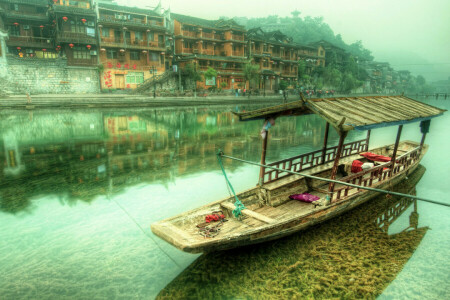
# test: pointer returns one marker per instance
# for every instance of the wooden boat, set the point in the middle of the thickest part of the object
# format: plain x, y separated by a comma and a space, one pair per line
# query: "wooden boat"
269, 212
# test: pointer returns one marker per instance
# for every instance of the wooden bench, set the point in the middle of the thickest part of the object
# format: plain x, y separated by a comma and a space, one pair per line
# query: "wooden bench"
249, 213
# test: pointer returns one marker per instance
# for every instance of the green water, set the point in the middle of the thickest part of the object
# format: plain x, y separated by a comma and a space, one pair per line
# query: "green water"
79, 190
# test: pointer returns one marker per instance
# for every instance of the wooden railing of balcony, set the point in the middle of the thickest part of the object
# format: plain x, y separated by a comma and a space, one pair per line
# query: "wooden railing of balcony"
30, 40
135, 21
75, 37
237, 53
237, 37
82, 62
208, 35
42, 3
312, 159
187, 50
81, 8
189, 33
377, 174
208, 51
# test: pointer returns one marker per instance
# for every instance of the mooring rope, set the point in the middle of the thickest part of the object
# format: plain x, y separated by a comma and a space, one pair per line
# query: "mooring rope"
221, 154
142, 229
239, 205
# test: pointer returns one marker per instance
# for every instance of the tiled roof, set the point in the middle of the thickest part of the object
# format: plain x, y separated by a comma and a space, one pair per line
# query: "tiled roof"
128, 9
361, 113
219, 24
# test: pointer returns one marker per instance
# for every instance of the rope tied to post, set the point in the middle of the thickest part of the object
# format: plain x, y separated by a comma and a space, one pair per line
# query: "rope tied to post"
239, 205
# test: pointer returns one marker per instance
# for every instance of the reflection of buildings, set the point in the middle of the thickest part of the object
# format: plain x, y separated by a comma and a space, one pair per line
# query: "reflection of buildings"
78, 155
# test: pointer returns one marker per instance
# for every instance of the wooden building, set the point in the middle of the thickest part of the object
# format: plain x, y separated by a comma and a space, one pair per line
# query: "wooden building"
133, 45
29, 28
219, 44
313, 56
276, 55
76, 31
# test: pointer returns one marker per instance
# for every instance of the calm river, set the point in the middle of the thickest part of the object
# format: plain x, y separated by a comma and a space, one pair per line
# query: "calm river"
79, 190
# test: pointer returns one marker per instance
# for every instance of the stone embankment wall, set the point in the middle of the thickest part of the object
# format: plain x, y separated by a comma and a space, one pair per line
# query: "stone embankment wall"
52, 76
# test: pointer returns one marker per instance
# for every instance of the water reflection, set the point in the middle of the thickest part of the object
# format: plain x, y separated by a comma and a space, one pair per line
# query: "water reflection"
352, 256
81, 155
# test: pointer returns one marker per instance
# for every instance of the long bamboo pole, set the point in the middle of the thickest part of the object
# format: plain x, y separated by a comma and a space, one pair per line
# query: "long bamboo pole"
337, 181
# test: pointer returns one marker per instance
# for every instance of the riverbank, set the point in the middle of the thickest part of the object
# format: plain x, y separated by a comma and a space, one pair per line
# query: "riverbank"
123, 100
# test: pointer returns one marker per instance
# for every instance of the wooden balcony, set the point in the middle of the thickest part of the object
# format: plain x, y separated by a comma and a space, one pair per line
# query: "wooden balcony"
77, 10
187, 50
235, 37
29, 41
29, 16
75, 37
41, 3
189, 33
111, 21
131, 44
208, 52
237, 53
82, 62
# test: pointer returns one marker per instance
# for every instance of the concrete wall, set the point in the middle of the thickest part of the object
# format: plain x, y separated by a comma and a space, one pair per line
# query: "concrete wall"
50, 76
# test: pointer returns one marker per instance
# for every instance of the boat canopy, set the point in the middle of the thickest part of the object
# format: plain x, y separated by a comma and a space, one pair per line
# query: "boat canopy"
348, 113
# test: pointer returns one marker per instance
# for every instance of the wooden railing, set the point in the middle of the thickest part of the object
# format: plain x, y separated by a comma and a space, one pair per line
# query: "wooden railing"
312, 159
237, 37
377, 174
208, 51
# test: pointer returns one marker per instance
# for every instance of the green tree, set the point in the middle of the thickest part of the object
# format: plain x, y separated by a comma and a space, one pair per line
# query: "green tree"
190, 71
332, 76
210, 73
251, 74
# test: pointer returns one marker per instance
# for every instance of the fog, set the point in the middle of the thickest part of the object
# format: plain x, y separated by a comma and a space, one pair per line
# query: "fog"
409, 34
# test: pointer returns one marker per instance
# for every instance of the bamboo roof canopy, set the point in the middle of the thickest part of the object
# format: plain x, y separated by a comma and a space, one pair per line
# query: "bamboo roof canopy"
348, 113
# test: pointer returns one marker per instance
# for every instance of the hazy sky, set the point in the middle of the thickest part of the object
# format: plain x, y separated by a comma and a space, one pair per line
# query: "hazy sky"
410, 34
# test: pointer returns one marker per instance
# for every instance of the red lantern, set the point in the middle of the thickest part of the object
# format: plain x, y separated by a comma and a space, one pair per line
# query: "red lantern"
44, 50
89, 47
16, 24
54, 1
83, 20
18, 48
42, 26
65, 19
71, 46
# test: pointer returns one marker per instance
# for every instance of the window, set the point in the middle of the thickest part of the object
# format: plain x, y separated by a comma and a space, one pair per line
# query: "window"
14, 30
90, 31
112, 54
81, 54
265, 48
138, 35
105, 32
135, 77
134, 55
162, 59
154, 56
151, 36
321, 52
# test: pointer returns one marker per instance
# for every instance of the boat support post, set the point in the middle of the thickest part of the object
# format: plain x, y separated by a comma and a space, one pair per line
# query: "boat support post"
263, 158
424, 128
342, 135
394, 153
325, 141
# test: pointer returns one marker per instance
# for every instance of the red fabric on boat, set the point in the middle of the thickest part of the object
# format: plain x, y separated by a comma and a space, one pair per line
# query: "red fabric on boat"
375, 157
214, 218
356, 166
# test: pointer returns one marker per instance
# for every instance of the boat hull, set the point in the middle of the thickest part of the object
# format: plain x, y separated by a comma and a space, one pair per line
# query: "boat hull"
180, 230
